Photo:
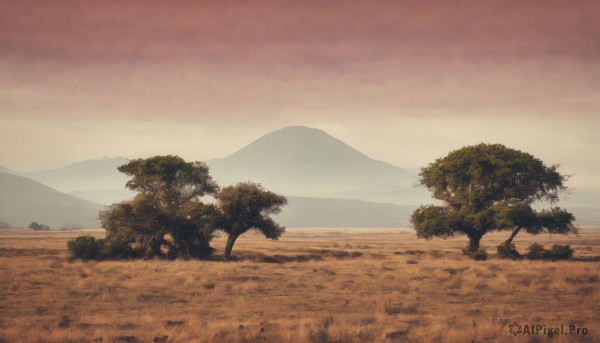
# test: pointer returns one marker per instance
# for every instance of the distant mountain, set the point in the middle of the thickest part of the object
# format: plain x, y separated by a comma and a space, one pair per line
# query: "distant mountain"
104, 196
303, 161
387, 193
326, 212
586, 216
83, 176
328, 182
23, 201
581, 198
5, 170
96, 180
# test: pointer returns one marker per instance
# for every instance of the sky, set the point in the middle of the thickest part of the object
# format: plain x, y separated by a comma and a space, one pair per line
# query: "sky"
401, 81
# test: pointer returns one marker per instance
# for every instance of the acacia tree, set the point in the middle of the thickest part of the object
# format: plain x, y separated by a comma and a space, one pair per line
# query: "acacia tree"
247, 206
167, 202
486, 188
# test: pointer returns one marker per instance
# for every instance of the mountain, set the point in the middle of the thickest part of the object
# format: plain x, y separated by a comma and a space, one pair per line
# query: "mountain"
82, 176
303, 161
96, 180
6, 170
586, 216
326, 212
581, 198
328, 182
104, 196
23, 201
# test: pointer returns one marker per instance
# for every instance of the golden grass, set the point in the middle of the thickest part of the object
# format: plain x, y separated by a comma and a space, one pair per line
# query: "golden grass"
327, 285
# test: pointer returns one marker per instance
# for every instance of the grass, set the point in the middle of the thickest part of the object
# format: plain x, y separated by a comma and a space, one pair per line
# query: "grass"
343, 285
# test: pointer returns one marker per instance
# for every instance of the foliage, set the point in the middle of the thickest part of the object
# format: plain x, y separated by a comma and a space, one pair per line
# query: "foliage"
4, 225
37, 226
194, 234
247, 206
558, 252
168, 181
561, 252
116, 249
536, 251
486, 188
167, 206
84, 247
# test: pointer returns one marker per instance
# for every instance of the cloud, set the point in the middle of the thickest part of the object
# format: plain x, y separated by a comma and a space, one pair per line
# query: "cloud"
378, 74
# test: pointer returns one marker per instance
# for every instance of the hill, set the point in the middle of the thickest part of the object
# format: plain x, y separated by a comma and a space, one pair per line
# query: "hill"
23, 201
328, 182
96, 180
326, 212
5, 170
586, 216
83, 176
303, 161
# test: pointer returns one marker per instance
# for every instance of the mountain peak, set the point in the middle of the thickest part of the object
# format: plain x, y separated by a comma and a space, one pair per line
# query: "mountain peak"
299, 144
300, 160
299, 130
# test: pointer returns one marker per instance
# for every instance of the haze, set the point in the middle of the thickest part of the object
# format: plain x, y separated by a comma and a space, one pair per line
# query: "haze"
401, 81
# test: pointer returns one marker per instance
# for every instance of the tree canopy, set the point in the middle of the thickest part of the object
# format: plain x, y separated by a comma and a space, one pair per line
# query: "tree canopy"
167, 203
247, 206
169, 182
489, 187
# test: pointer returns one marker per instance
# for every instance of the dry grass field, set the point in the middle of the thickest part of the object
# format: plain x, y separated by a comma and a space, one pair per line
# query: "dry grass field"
327, 285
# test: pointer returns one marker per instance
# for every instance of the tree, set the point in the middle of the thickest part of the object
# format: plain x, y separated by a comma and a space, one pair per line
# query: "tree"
489, 187
168, 203
247, 206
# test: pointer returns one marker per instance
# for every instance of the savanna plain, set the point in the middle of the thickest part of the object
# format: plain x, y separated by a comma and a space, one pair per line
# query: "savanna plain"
311, 285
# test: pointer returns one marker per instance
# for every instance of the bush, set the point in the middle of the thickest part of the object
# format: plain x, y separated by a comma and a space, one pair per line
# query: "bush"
536, 251
561, 252
84, 247
36, 226
558, 252
4, 225
479, 255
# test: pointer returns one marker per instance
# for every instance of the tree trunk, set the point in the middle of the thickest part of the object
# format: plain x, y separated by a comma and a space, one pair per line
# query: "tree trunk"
474, 243
506, 250
508, 242
156, 246
229, 246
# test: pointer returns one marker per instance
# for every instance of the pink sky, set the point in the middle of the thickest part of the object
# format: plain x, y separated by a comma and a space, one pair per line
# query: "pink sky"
403, 81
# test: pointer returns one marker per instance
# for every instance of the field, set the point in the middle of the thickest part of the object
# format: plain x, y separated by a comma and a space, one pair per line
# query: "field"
327, 285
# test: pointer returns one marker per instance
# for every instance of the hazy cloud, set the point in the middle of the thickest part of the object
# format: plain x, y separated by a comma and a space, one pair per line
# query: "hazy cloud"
403, 81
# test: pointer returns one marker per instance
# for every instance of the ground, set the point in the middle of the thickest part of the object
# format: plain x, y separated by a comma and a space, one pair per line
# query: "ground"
312, 285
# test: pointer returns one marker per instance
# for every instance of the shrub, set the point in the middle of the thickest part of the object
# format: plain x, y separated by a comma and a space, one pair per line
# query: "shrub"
84, 247
558, 252
36, 226
4, 225
536, 251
